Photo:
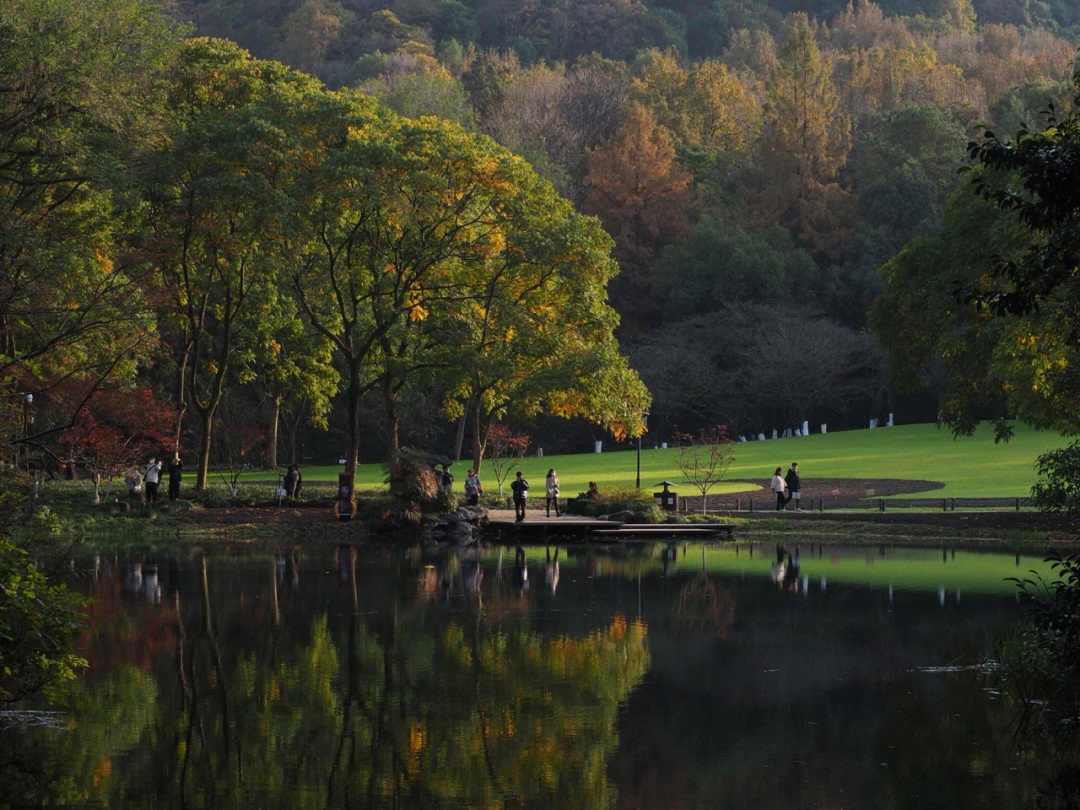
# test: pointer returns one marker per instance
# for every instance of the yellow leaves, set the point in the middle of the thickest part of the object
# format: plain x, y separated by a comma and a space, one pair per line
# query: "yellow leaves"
105, 262
617, 631
103, 771
417, 313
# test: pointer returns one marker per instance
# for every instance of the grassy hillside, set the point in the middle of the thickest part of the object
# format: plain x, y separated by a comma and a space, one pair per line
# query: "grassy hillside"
968, 466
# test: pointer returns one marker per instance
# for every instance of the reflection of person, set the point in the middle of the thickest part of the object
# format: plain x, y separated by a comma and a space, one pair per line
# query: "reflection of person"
175, 467
521, 569
786, 574
792, 481
153, 473
520, 488
551, 571
552, 492
292, 482
779, 486
473, 488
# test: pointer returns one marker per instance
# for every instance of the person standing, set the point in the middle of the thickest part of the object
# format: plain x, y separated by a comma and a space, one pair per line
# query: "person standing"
520, 488
133, 478
779, 486
153, 474
553, 492
292, 482
175, 467
446, 480
473, 489
792, 481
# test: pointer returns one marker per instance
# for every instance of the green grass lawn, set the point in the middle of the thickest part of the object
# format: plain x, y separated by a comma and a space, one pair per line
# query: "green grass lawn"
968, 466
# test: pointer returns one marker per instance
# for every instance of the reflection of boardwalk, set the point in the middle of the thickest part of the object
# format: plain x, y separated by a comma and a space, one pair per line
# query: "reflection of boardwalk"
536, 526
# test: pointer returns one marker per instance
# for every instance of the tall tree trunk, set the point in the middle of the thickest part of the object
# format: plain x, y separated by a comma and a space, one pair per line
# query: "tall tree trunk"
459, 440
478, 439
353, 455
207, 420
393, 421
272, 436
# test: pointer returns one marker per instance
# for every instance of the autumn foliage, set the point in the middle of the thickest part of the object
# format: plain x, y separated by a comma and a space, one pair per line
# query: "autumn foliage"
115, 429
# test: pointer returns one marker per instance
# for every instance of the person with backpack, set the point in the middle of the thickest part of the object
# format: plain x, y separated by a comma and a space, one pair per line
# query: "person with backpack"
473, 489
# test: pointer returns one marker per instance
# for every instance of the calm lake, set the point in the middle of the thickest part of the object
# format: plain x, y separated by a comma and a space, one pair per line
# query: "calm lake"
683, 676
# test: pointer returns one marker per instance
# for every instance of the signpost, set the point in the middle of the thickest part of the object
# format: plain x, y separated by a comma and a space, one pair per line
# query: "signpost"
345, 507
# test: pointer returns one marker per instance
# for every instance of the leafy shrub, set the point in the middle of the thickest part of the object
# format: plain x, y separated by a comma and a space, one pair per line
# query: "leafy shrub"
39, 617
631, 504
1043, 662
1058, 487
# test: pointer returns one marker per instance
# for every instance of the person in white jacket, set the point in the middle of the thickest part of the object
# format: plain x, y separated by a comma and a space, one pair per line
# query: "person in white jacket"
553, 493
779, 486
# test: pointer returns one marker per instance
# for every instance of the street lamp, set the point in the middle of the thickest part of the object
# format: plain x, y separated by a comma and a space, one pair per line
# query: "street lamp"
644, 420
28, 400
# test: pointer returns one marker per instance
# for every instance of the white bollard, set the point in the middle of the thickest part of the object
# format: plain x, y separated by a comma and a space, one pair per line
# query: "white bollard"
890, 422
774, 433
824, 428
599, 446
805, 428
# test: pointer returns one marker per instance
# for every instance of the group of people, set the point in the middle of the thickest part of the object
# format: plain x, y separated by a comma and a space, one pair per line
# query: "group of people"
786, 487
142, 482
519, 488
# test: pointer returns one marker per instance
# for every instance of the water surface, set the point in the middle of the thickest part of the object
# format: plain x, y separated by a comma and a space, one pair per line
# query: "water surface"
663, 677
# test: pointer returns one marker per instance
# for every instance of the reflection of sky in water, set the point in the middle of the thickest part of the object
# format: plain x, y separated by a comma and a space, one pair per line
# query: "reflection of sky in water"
663, 676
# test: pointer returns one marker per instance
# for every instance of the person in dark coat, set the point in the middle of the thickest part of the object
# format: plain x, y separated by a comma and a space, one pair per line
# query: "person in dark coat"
292, 482
520, 488
792, 481
175, 468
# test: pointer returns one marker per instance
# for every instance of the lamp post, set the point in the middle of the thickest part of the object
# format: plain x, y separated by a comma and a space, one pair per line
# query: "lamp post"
637, 479
28, 400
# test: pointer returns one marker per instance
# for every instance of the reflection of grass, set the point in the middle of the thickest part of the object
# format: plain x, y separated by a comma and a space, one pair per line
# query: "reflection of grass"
904, 568
969, 467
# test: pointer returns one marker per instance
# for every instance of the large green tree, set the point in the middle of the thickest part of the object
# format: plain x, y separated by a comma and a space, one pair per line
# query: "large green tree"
991, 300
78, 88
221, 213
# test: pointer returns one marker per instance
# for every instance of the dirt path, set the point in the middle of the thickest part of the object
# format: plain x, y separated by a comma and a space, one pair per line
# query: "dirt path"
839, 493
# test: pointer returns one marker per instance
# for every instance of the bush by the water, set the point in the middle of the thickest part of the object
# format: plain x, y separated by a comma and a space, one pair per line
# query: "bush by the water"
629, 503
1042, 663
414, 483
1058, 487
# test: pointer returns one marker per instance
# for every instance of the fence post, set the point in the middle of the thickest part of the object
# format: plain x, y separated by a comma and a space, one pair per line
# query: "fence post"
953, 505
751, 502
1017, 504
737, 505
944, 504
881, 504
821, 504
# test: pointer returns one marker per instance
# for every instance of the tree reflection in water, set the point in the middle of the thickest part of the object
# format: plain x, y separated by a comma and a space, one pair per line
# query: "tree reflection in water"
407, 706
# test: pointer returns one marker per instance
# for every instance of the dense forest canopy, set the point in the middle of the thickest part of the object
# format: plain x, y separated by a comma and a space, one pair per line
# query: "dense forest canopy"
742, 154
754, 164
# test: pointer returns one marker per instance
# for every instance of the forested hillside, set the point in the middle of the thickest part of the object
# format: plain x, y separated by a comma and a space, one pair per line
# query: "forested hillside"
453, 214
756, 161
